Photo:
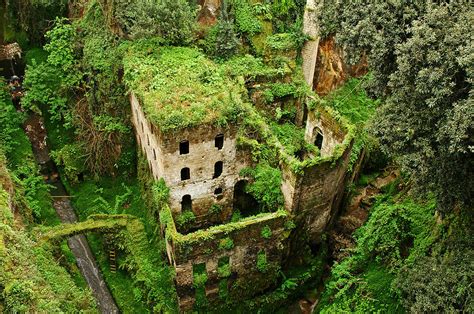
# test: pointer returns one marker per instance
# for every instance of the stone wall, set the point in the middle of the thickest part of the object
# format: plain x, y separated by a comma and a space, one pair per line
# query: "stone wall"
332, 134
166, 161
245, 280
313, 195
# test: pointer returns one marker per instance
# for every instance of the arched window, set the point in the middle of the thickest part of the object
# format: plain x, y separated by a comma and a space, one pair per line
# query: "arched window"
186, 203
219, 141
218, 166
185, 174
184, 147
318, 142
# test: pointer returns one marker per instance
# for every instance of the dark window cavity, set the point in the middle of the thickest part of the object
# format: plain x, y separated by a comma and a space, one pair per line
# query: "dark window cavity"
185, 174
184, 147
154, 154
217, 169
219, 141
148, 140
186, 203
318, 142
218, 191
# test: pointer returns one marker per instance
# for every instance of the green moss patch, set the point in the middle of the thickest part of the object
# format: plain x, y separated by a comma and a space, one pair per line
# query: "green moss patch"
179, 87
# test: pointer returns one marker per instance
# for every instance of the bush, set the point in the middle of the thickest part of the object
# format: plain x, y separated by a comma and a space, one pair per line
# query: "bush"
265, 186
266, 232
173, 20
226, 244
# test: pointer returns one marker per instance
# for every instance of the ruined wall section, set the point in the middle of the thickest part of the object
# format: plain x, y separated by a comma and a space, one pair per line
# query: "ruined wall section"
148, 139
312, 195
331, 131
245, 279
167, 160
201, 160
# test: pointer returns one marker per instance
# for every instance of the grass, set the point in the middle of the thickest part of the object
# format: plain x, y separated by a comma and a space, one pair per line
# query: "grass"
179, 87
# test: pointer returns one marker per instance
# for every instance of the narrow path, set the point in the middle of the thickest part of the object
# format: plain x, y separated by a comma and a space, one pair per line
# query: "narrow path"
86, 262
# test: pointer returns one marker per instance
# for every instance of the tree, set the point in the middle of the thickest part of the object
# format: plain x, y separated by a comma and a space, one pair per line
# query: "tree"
173, 20
421, 56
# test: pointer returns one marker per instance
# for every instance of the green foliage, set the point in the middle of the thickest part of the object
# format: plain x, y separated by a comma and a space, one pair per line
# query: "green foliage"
397, 260
172, 20
33, 18
226, 244
199, 92
246, 17
185, 218
30, 276
226, 41
215, 209
441, 283
265, 186
386, 234
72, 158
421, 65
290, 225
10, 120
292, 138
236, 216
287, 13
224, 270
266, 232
199, 280
281, 42
262, 264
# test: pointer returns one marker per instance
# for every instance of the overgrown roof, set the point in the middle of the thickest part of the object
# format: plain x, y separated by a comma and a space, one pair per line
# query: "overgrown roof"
180, 87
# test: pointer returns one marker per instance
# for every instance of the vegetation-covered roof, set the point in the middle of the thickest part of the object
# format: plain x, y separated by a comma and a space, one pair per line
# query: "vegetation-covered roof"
179, 87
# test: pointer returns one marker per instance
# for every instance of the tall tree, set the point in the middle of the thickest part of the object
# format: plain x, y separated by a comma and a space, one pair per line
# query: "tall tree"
422, 57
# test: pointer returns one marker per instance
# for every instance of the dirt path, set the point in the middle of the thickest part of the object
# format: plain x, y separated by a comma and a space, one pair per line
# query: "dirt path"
85, 260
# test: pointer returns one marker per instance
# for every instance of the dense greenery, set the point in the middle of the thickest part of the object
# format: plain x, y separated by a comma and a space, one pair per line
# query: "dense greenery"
421, 60
243, 69
399, 259
180, 87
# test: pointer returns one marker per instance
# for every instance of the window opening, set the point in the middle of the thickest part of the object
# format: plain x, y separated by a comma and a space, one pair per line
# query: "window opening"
218, 169
148, 140
219, 141
318, 142
199, 283
218, 191
154, 154
185, 174
186, 203
184, 147
223, 267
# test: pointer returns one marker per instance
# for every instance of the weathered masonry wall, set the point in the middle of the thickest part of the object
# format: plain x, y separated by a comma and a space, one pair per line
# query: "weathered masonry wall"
313, 195
207, 248
320, 122
188, 159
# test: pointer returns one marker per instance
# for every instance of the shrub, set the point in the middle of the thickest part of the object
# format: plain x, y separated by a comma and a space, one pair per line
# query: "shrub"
266, 232
226, 244
185, 218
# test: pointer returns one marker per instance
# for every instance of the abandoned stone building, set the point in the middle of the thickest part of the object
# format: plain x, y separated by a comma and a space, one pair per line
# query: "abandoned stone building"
201, 164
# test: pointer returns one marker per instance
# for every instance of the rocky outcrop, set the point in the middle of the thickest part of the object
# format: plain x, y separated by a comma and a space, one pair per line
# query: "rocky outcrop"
330, 69
209, 12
